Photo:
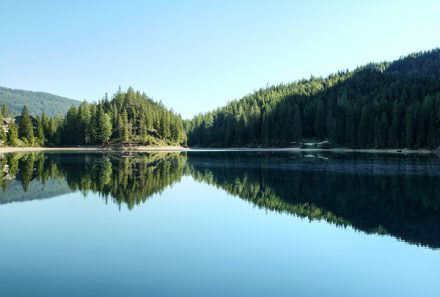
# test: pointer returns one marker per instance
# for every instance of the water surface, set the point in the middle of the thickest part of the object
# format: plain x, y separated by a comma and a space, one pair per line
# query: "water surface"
219, 224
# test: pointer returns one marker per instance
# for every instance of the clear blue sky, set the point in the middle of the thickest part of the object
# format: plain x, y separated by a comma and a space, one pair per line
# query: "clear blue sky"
198, 55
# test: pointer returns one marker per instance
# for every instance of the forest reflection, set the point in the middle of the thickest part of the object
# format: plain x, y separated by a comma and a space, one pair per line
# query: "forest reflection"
126, 180
387, 195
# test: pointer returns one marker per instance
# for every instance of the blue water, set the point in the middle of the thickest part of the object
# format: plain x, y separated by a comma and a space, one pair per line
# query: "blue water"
195, 239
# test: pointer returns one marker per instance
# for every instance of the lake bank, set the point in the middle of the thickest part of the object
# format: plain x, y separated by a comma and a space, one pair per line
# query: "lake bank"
4, 150
331, 150
181, 149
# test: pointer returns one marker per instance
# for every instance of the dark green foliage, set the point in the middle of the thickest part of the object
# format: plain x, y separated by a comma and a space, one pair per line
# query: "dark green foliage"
396, 201
2, 131
384, 194
26, 128
297, 126
102, 128
37, 102
383, 105
128, 116
129, 181
12, 135
40, 140
4, 111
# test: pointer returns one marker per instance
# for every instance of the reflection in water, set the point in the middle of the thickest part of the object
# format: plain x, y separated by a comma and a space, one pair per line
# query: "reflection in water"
126, 180
395, 195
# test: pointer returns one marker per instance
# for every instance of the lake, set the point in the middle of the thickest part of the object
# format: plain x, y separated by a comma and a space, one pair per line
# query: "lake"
219, 224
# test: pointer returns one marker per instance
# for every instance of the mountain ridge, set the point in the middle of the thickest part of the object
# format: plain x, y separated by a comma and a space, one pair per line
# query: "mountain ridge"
37, 102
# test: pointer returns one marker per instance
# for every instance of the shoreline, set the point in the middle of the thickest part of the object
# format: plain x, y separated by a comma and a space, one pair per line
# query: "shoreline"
4, 150
311, 150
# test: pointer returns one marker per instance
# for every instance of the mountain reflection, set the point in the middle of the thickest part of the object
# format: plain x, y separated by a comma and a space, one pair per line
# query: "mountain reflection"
388, 194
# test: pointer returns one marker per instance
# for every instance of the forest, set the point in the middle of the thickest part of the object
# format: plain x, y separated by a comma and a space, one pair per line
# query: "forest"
380, 105
128, 117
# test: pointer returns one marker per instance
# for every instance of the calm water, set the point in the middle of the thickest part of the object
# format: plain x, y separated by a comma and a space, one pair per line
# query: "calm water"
219, 224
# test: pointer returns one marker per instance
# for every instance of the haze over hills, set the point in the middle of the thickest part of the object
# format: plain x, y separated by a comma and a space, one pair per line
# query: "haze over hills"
37, 102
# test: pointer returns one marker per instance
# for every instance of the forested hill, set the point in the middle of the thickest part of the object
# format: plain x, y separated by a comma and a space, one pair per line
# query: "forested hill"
37, 102
379, 105
128, 117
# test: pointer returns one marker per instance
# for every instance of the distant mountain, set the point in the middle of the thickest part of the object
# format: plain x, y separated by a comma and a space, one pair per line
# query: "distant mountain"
37, 102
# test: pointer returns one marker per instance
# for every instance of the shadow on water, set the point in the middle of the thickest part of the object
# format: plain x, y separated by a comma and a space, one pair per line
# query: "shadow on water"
383, 194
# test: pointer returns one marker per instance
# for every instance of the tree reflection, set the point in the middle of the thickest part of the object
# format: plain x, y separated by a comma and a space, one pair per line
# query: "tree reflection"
387, 200
381, 195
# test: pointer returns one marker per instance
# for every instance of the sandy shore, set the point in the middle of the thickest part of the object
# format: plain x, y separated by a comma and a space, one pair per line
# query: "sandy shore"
91, 149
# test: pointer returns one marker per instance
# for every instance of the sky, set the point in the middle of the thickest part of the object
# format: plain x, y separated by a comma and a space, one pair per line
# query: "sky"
194, 55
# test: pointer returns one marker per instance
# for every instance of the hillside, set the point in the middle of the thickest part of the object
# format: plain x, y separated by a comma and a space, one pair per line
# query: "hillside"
37, 102
380, 105
129, 118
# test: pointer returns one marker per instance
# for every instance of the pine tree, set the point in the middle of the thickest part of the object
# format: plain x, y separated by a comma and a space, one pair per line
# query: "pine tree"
12, 135
85, 118
2, 131
297, 124
409, 129
363, 130
45, 121
351, 126
125, 127
381, 125
394, 139
4, 111
40, 132
320, 120
26, 130
331, 127
103, 127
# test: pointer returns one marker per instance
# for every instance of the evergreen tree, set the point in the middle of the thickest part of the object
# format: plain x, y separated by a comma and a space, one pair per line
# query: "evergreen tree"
2, 131
12, 135
297, 124
381, 130
364, 129
4, 111
103, 127
320, 121
394, 139
26, 130
331, 127
40, 132
85, 118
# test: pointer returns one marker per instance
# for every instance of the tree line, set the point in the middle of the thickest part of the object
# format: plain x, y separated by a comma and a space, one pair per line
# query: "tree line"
382, 105
129, 117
